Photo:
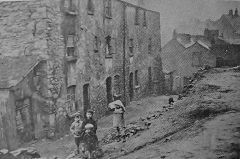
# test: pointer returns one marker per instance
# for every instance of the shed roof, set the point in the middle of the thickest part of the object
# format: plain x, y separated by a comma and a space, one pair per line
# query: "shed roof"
14, 69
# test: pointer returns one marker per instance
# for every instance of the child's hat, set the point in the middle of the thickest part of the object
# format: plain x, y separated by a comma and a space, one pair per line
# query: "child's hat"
90, 111
77, 114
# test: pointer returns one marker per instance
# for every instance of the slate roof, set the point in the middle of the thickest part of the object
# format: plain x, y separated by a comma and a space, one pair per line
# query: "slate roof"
14, 69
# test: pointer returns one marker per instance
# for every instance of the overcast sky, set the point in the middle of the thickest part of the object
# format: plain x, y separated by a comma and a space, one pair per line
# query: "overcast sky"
174, 12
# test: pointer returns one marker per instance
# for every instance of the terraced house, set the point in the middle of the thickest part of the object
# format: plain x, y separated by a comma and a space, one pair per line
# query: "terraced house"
94, 50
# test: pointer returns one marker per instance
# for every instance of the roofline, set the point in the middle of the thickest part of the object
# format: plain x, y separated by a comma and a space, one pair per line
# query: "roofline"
172, 40
134, 5
195, 44
25, 75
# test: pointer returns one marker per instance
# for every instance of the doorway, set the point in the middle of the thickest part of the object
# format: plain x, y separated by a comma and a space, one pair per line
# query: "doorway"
219, 62
109, 90
86, 98
131, 92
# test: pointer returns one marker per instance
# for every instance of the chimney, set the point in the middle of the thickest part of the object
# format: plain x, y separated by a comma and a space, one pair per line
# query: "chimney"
236, 13
230, 12
174, 34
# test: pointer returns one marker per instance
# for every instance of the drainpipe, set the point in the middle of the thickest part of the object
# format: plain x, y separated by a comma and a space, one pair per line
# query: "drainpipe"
124, 54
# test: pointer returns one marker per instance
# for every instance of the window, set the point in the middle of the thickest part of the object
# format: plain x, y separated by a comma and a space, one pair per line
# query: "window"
96, 44
150, 46
90, 7
131, 46
70, 45
144, 19
108, 8
196, 59
108, 46
137, 16
117, 85
136, 78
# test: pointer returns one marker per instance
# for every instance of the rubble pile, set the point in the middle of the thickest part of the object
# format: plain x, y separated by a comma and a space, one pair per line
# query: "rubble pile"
197, 76
25, 153
133, 128
237, 68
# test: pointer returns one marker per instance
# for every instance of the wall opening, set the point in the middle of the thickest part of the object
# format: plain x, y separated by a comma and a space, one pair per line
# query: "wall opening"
86, 98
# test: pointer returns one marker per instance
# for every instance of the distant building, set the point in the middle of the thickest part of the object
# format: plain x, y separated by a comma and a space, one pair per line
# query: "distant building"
183, 56
171, 59
228, 27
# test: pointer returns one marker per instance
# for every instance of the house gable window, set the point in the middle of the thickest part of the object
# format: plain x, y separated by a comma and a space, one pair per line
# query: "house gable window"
131, 47
196, 59
117, 85
137, 16
90, 7
108, 8
70, 45
144, 19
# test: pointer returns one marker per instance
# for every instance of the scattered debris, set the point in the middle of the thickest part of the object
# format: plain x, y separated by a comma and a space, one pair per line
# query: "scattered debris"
29, 153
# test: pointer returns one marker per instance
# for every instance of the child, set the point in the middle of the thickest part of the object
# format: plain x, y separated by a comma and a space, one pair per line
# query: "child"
118, 118
76, 130
89, 120
92, 142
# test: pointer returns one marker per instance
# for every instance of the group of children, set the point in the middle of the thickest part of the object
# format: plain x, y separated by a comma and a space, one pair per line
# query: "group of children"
81, 130
82, 127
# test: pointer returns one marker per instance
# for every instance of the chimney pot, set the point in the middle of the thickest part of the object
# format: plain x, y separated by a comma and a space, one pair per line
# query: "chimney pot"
230, 12
236, 13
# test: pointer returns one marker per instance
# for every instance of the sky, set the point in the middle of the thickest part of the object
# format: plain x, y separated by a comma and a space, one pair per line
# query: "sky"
174, 12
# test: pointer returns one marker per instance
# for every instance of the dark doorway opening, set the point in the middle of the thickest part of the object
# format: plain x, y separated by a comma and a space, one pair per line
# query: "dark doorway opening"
86, 98
219, 62
109, 90
131, 92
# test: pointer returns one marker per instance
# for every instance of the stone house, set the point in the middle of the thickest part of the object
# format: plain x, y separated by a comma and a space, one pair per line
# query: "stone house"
111, 46
24, 111
196, 56
183, 56
226, 54
94, 50
171, 57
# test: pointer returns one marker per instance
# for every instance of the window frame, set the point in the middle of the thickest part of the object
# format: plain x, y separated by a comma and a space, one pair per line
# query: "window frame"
136, 78
108, 9
131, 47
70, 48
108, 41
90, 7
137, 16
144, 19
